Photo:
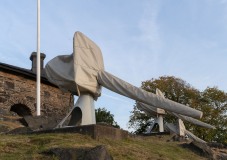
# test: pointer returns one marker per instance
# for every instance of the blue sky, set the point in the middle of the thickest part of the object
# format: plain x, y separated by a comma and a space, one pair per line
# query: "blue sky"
139, 39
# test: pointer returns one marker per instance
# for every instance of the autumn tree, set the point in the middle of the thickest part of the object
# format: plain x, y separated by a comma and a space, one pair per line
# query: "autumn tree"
139, 121
104, 116
214, 107
212, 102
173, 88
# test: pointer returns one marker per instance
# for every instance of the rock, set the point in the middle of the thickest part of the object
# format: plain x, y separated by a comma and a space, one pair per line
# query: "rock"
63, 153
221, 156
216, 145
219, 152
4, 129
178, 138
40, 122
67, 153
98, 153
200, 148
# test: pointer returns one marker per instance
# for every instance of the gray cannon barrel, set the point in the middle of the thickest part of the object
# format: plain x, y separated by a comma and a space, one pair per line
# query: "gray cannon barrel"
194, 121
148, 109
194, 137
152, 111
186, 118
173, 128
119, 86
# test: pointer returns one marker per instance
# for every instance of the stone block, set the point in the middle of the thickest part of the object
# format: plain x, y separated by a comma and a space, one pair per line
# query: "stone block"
95, 131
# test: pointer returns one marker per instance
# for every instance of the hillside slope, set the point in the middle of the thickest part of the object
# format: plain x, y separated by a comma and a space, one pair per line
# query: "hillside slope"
144, 148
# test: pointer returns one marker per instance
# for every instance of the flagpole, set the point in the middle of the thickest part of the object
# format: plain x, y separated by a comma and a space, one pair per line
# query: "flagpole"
38, 61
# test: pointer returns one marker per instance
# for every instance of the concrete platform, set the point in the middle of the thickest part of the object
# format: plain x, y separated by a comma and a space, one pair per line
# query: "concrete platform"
96, 131
155, 134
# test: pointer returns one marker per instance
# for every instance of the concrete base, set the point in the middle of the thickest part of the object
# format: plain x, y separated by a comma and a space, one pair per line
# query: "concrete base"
95, 131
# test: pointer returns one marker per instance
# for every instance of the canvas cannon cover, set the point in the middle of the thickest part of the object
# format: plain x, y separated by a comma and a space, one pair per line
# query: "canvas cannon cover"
77, 72
152, 111
83, 72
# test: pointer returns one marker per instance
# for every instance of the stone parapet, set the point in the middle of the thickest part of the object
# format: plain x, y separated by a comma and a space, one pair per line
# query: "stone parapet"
19, 89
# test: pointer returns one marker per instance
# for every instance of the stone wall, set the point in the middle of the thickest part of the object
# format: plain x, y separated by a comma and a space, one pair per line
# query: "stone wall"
20, 89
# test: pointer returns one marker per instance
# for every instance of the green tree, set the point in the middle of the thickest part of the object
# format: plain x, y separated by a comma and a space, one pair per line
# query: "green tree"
214, 107
138, 120
212, 102
173, 88
104, 116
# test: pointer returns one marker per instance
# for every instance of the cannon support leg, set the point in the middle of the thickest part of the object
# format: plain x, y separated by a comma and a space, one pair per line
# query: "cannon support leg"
83, 112
159, 121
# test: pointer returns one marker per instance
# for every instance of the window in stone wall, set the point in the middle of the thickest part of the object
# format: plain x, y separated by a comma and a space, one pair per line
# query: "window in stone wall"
21, 110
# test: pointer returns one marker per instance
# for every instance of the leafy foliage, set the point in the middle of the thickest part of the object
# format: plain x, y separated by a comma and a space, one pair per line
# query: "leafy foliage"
212, 102
138, 120
214, 107
102, 115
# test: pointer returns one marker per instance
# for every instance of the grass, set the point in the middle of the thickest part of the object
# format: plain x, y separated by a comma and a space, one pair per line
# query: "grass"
23, 147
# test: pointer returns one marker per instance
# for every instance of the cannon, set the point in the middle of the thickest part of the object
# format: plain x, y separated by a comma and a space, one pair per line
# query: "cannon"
82, 73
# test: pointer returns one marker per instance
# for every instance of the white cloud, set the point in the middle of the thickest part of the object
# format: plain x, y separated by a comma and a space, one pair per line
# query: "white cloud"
149, 25
149, 41
115, 98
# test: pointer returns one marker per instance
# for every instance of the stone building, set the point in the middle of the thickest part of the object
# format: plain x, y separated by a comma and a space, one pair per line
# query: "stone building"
18, 91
